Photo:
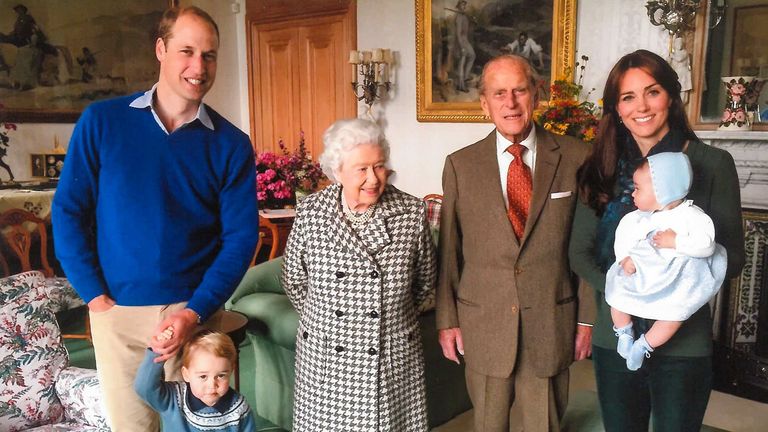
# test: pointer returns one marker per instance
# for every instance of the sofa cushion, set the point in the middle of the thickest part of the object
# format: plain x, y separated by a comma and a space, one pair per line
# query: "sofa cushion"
31, 354
270, 314
61, 295
80, 393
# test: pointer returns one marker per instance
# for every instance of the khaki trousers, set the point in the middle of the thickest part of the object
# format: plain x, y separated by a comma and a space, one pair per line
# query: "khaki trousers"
520, 402
120, 341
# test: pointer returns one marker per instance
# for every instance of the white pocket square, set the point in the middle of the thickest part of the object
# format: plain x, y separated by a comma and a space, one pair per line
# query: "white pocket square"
556, 195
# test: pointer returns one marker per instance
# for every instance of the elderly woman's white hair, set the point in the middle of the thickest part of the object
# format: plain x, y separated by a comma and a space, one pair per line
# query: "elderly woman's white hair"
343, 136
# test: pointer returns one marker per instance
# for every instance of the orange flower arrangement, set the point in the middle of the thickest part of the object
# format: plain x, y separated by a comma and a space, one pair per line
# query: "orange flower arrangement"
564, 114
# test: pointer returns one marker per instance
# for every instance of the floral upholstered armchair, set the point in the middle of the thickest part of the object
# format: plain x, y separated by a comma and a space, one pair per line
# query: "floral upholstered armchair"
38, 391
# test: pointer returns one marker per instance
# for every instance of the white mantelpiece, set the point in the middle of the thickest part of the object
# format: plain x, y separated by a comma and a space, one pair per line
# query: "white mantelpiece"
750, 152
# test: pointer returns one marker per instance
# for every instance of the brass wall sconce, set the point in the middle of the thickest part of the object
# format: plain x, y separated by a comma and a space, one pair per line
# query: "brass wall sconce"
373, 67
676, 16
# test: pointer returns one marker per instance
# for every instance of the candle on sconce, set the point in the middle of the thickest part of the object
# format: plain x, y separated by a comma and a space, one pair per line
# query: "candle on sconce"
387, 54
377, 57
367, 55
354, 59
376, 73
383, 75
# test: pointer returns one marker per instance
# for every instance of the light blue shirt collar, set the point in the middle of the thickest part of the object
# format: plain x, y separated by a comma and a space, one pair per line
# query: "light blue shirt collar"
147, 101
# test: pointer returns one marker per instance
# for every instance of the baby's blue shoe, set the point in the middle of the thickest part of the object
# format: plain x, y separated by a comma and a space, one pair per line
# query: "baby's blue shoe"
626, 338
640, 351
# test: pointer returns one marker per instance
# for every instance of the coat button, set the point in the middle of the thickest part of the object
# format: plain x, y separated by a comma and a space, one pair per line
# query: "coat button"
374, 274
305, 334
518, 270
372, 351
373, 314
339, 348
340, 274
339, 313
514, 309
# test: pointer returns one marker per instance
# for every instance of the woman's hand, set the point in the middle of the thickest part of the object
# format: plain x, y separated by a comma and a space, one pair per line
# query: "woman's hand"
665, 239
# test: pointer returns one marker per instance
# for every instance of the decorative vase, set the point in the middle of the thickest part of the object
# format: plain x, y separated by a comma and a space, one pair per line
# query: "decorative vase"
735, 114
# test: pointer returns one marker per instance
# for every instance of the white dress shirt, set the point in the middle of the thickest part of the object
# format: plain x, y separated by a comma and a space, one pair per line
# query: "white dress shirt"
148, 100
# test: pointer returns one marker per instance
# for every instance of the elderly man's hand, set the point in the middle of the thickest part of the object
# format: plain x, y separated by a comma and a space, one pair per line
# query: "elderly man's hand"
451, 341
583, 345
183, 323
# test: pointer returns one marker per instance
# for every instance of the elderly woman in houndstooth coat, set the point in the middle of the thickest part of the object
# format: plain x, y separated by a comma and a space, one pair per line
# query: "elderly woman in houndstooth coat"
358, 266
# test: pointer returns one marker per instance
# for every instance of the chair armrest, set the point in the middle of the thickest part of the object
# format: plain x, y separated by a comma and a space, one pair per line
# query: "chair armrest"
264, 277
80, 393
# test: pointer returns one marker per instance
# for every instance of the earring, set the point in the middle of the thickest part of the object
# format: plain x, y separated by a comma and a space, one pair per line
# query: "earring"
621, 121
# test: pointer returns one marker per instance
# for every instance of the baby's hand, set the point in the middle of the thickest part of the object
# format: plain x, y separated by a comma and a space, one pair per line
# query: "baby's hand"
628, 265
665, 239
166, 334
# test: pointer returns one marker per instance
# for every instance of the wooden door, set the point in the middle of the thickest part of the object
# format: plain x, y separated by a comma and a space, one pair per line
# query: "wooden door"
276, 105
300, 78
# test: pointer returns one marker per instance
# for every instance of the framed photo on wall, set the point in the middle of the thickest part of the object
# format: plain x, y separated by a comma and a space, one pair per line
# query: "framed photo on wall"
57, 57
455, 38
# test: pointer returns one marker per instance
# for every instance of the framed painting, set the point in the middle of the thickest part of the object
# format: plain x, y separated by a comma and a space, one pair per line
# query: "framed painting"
57, 57
749, 47
454, 40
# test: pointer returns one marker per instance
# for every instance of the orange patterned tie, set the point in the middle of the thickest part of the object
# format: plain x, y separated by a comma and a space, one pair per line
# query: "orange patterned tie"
519, 186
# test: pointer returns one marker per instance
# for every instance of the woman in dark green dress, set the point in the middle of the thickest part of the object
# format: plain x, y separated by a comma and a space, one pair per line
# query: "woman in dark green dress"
643, 114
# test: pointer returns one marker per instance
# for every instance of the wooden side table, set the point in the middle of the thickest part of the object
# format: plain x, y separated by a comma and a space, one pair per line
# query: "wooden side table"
276, 225
233, 324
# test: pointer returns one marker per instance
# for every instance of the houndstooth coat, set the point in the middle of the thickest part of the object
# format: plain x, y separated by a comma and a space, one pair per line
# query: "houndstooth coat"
359, 362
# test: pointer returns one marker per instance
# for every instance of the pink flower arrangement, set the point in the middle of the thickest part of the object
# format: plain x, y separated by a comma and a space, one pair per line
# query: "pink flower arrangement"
279, 177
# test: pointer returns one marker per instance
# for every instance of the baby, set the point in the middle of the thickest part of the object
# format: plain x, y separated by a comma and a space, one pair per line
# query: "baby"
667, 262
204, 401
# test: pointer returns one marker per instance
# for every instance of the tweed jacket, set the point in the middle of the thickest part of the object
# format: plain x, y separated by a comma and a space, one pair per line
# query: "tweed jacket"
506, 295
359, 361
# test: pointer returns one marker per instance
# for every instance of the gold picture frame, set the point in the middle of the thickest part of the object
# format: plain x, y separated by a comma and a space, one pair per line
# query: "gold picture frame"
438, 98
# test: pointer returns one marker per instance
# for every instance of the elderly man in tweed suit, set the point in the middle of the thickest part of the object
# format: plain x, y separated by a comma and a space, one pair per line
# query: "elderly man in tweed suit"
506, 299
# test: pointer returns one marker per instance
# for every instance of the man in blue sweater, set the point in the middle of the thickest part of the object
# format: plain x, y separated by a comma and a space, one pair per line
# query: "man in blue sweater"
155, 217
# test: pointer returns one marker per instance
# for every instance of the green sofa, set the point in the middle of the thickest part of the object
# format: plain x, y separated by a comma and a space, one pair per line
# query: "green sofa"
272, 328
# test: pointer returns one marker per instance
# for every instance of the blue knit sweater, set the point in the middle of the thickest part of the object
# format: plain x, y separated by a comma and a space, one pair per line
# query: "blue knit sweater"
153, 219
181, 411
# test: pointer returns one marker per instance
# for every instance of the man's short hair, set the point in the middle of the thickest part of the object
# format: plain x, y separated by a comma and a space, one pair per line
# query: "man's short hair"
528, 69
172, 14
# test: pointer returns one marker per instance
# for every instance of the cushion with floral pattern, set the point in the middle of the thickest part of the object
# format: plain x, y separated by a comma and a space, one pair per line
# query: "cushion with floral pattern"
80, 393
61, 295
31, 354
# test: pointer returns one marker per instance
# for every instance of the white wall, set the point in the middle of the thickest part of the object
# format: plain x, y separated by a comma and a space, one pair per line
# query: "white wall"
606, 29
